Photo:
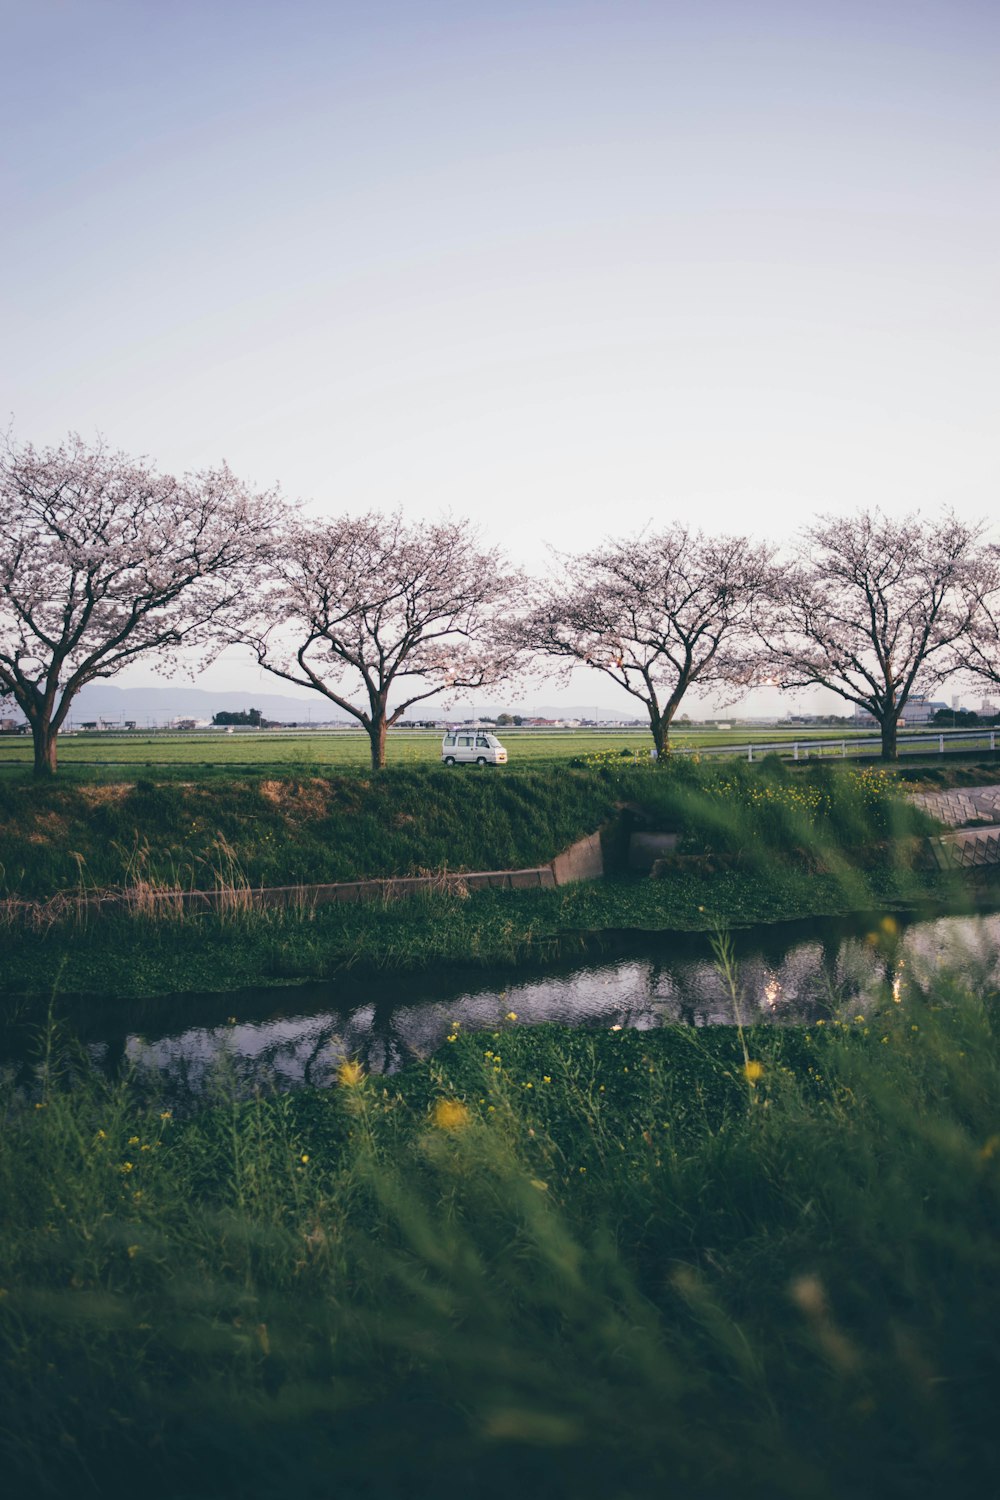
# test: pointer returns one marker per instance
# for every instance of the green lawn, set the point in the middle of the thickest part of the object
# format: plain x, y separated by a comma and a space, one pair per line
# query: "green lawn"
350, 747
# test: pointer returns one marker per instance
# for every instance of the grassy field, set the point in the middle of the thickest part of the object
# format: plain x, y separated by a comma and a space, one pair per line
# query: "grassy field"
589, 1266
343, 748
546, 1262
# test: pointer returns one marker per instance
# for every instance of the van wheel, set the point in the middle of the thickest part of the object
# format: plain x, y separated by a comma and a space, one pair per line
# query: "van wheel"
449, 760
481, 760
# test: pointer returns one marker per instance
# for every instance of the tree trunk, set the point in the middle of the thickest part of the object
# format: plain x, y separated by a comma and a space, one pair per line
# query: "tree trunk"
659, 726
889, 750
376, 735
44, 737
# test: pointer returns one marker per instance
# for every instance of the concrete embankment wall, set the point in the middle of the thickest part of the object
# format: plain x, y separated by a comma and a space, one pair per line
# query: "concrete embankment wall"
968, 848
583, 860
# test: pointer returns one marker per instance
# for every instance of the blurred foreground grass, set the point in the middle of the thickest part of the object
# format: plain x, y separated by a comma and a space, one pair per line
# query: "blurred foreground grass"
553, 1262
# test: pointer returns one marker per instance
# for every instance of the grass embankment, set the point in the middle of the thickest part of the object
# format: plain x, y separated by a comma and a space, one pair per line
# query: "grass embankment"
77, 837
757, 844
548, 1262
291, 830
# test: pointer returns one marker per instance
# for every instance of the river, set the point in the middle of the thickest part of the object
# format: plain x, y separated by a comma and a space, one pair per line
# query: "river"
295, 1036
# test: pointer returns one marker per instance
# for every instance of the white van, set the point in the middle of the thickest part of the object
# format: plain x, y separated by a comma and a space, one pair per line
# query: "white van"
472, 747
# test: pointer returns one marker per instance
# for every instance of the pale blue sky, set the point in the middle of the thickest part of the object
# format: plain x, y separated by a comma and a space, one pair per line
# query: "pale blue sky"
563, 267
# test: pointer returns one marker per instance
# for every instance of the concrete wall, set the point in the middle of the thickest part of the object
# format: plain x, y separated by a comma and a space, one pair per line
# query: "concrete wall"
583, 860
347, 891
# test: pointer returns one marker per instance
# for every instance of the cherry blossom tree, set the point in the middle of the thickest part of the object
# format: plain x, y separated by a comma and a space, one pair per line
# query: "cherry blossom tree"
657, 614
368, 608
104, 560
874, 609
978, 654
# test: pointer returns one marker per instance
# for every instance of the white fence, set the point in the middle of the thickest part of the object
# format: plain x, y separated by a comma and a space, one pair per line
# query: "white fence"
927, 743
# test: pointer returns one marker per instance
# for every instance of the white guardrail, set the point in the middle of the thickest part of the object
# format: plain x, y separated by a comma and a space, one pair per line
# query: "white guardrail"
926, 743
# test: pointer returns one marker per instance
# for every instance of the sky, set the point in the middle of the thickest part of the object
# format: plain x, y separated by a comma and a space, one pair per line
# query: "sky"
568, 269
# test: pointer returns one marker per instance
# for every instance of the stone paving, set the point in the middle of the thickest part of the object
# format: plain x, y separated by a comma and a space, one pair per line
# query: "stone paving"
960, 807
972, 811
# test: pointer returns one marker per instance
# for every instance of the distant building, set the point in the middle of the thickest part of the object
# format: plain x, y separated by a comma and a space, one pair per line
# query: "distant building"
917, 712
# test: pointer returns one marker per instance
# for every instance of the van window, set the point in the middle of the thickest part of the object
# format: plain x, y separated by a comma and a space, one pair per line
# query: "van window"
482, 742
465, 741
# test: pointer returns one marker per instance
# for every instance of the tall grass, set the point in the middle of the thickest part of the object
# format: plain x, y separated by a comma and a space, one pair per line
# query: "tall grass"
565, 1263
159, 949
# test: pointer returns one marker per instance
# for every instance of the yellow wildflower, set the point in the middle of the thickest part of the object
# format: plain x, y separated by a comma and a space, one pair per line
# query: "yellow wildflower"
753, 1071
350, 1074
450, 1114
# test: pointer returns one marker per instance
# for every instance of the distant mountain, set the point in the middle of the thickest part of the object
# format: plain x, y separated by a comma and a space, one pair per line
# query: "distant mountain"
159, 705
574, 711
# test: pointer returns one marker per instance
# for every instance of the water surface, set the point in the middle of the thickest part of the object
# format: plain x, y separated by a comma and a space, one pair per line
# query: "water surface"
296, 1036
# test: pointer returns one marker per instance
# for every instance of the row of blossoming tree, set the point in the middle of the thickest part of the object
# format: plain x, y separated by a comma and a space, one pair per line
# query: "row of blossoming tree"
103, 560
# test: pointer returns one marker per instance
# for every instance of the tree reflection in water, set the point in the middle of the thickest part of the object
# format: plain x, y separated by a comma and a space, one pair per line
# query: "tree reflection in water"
187, 1047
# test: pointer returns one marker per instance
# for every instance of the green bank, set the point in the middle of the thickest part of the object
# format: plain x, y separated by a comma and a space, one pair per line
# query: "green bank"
754, 844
